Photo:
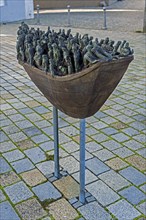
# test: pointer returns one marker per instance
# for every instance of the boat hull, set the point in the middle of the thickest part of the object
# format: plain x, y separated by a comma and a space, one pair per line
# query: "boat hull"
82, 94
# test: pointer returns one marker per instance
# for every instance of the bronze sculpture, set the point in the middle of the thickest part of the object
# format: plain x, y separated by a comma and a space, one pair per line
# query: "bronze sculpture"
61, 53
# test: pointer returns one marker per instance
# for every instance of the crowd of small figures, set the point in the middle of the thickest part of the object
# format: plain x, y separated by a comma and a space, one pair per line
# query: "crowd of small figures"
60, 53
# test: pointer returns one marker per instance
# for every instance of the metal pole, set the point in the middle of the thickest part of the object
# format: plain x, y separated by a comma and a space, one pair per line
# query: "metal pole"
68, 7
82, 161
104, 14
38, 14
56, 142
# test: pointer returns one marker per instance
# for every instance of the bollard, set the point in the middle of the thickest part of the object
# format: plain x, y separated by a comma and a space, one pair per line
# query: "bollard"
68, 7
104, 15
38, 14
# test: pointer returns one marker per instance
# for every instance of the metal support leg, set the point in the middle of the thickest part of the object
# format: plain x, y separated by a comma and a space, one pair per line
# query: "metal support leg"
82, 161
56, 142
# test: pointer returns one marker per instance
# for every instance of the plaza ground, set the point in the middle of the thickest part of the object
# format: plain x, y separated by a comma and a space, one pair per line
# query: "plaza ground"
115, 135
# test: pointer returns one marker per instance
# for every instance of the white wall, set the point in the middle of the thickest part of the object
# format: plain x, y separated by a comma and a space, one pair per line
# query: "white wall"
14, 10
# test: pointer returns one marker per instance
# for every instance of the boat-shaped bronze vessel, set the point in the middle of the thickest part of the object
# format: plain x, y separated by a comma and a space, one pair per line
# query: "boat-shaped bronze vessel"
82, 94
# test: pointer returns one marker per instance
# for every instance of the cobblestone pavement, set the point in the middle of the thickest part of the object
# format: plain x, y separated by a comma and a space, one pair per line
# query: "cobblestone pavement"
115, 146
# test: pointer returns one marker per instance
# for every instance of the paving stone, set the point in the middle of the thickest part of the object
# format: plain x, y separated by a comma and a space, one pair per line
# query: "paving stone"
8, 212
22, 165
2, 196
109, 120
71, 146
4, 166
133, 145
90, 131
77, 155
31, 131
102, 193
35, 154
109, 131
141, 138
46, 167
47, 146
40, 138
46, 191
11, 129
133, 175
25, 144
42, 124
130, 131
137, 161
41, 109
123, 210
99, 125
90, 199
70, 164
19, 136
30, 209
123, 152
8, 178
116, 163
70, 130
104, 154
18, 192
94, 211
143, 188
96, 166
3, 137
100, 137
137, 125
7, 146
93, 146
67, 186
142, 152
120, 137
33, 177
61, 210
142, 208
132, 194
13, 155
111, 145
114, 180
48, 130
89, 177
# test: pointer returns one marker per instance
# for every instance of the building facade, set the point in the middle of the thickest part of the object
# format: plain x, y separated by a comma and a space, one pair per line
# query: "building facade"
15, 10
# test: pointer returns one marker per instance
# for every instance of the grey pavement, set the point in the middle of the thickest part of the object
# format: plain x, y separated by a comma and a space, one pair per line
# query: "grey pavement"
115, 139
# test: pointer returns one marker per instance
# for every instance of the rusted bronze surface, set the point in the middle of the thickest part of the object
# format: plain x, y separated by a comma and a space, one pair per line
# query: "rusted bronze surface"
82, 94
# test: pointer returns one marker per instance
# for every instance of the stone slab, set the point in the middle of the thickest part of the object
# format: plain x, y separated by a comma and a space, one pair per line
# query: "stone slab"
31, 209
94, 211
137, 161
68, 187
46, 191
133, 175
13, 155
8, 212
33, 177
46, 167
104, 154
18, 192
96, 166
89, 176
70, 164
123, 210
114, 180
35, 154
22, 165
102, 193
142, 208
4, 166
116, 163
62, 210
8, 178
133, 195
